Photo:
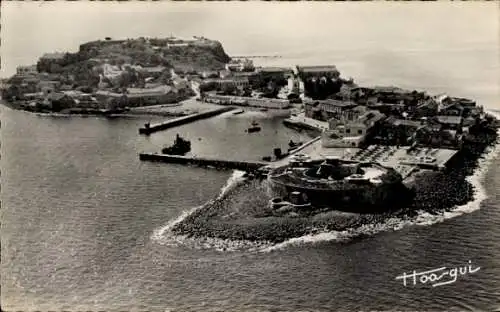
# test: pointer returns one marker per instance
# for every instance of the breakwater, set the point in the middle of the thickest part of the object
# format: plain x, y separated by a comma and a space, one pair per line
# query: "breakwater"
183, 120
204, 162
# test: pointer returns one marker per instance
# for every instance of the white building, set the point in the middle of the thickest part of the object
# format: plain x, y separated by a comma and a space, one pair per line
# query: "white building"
350, 130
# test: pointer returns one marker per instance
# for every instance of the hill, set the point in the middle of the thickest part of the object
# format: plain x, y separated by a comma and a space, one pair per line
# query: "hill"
85, 66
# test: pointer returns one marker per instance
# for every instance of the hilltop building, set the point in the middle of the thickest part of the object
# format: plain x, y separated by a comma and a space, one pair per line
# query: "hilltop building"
26, 70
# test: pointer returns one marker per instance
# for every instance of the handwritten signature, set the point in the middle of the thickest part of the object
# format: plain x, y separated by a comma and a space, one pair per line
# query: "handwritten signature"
436, 275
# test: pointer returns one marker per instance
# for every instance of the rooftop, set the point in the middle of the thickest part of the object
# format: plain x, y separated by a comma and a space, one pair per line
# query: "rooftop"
318, 68
270, 69
331, 102
402, 158
403, 122
371, 117
390, 89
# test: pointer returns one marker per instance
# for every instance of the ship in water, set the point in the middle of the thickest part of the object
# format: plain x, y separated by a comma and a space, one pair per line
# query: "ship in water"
254, 127
339, 184
180, 147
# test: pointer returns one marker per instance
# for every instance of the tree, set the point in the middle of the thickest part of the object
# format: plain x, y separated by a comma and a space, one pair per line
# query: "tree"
228, 89
124, 79
247, 91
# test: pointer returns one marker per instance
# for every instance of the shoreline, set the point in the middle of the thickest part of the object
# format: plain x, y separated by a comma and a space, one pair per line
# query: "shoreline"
180, 109
223, 219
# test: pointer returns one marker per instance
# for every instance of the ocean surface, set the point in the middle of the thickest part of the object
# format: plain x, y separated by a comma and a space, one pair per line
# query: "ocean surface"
86, 225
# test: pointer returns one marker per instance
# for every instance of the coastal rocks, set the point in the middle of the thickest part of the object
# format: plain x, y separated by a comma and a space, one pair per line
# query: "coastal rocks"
439, 191
244, 212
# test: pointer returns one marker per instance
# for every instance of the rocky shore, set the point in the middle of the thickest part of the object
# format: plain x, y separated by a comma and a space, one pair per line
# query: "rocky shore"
243, 213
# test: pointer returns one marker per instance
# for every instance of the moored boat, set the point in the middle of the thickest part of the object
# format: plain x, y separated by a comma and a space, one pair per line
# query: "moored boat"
254, 127
180, 147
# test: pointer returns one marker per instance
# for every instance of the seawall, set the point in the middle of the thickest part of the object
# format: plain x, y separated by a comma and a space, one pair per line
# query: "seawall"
203, 161
183, 120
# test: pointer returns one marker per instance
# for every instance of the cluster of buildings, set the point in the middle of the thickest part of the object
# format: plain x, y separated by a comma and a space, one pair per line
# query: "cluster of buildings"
395, 117
42, 91
241, 78
107, 78
136, 97
242, 74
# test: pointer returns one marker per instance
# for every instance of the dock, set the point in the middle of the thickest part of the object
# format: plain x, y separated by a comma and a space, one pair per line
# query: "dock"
204, 162
183, 120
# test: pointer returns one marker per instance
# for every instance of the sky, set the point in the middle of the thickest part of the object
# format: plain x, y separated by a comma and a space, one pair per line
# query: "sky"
418, 40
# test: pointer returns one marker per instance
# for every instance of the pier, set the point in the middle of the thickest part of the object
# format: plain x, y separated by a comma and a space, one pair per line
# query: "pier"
204, 162
183, 120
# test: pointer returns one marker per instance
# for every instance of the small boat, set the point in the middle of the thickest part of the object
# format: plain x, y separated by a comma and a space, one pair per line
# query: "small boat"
180, 147
237, 112
254, 127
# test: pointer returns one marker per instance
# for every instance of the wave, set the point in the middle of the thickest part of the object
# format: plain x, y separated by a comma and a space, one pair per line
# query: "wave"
165, 236
422, 218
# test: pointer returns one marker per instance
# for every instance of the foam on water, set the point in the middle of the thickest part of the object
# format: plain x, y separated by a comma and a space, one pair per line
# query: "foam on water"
165, 236
423, 218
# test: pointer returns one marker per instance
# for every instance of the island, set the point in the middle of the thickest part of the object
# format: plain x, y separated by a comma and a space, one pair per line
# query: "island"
376, 152
370, 163
109, 76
